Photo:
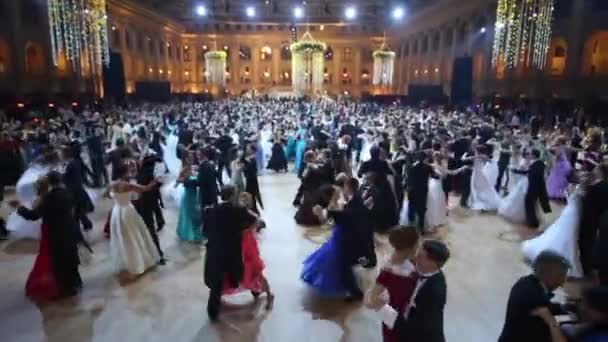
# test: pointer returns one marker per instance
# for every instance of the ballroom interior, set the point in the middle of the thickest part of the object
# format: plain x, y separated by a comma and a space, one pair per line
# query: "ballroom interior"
165, 41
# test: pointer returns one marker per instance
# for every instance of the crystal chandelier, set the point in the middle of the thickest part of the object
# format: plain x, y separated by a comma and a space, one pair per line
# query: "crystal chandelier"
307, 60
215, 65
79, 29
384, 65
522, 32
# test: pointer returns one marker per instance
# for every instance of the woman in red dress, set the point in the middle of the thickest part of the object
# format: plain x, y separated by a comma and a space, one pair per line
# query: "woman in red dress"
41, 284
253, 266
398, 277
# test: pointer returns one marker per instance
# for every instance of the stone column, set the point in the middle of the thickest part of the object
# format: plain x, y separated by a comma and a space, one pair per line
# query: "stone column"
357, 72
17, 46
338, 68
233, 61
255, 64
576, 40
276, 64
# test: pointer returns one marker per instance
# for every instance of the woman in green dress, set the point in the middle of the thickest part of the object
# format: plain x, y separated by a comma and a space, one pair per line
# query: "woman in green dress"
189, 225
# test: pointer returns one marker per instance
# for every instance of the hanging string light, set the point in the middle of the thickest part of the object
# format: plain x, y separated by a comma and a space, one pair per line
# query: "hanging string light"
384, 65
79, 30
522, 32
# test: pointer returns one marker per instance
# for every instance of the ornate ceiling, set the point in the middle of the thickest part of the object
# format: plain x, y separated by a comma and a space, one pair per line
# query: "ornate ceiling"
282, 10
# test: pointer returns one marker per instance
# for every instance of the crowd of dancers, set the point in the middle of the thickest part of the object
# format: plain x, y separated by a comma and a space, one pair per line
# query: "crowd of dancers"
363, 168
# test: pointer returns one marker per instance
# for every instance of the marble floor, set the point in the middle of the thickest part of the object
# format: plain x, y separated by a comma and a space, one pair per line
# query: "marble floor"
168, 304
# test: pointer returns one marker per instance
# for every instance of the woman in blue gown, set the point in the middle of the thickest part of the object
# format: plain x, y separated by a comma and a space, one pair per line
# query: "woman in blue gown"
322, 268
290, 150
189, 227
300, 149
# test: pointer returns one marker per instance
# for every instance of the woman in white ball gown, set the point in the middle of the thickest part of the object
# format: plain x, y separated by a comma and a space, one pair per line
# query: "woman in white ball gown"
436, 205
512, 207
131, 247
483, 194
561, 236
26, 193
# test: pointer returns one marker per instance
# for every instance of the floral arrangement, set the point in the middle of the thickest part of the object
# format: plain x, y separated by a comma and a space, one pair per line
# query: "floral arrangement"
384, 53
308, 46
221, 55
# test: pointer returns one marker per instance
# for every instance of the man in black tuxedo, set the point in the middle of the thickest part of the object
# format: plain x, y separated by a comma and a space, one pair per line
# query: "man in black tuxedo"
252, 185
96, 155
418, 188
537, 189
117, 156
529, 309
224, 144
594, 206
206, 181
63, 233
185, 138
73, 181
358, 243
422, 318
150, 203
224, 225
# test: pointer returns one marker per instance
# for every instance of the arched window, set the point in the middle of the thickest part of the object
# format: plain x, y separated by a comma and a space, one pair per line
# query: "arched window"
34, 59
4, 58
329, 54
245, 53
265, 53
285, 53
595, 54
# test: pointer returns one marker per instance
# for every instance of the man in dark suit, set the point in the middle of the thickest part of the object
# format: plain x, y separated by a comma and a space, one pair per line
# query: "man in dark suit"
73, 181
252, 185
117, 156
223, 228
537, 189
96, 155
63, 233
529, 309
422, 318
224, 144
358, 243
206, 181
418, 188
594, 206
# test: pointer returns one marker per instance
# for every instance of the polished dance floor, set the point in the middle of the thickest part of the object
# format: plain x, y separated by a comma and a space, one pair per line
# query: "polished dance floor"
168, 304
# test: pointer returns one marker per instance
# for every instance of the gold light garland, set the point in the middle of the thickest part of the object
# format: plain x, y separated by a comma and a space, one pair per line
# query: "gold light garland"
79, 29
522, 32
384, 66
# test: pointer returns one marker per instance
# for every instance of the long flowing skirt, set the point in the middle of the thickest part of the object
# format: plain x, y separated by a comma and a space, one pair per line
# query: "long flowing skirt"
512, 207
321, 269
253, 266
41, 284
483, 195
25, 192
436, 207
170, 155
561, 237
557, 182
131, 246
189, 227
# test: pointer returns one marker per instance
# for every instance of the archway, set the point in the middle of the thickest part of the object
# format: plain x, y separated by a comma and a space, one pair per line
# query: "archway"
595, 54
34, 59
5, 58
557, 57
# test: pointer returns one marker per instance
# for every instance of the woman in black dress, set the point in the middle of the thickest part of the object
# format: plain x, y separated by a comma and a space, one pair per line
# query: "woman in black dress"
278, 161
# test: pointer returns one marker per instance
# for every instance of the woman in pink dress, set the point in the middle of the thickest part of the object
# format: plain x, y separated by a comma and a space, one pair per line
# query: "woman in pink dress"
398, 276
253, 266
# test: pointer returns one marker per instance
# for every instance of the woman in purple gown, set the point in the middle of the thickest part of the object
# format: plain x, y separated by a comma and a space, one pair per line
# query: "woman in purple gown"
557, 183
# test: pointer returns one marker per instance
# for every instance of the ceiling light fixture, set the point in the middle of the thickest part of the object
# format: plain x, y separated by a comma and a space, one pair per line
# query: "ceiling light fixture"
398, 13
250, 11
350, 12
298, 12
201, 10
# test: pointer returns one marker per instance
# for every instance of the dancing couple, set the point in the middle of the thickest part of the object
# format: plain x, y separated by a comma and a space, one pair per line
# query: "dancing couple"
232, 261
411, 291
329, 270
